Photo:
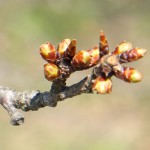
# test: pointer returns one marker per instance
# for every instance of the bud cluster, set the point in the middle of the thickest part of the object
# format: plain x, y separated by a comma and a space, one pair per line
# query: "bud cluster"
110, 64
64, 53
63, 60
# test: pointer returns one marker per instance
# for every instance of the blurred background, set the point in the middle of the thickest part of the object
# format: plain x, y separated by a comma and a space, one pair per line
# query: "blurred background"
118, 121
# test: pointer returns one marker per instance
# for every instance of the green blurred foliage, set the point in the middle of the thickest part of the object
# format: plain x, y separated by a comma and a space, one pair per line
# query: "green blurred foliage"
117, 121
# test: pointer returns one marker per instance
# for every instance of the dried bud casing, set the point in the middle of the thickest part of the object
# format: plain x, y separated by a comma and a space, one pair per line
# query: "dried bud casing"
102, 86
132, 55
63, 46
128, 74
122, 47
94, 53
103, 44
51, 71
81, 60
48, 52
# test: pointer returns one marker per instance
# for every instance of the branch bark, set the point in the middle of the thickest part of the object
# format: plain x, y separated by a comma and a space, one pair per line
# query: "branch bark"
12, 100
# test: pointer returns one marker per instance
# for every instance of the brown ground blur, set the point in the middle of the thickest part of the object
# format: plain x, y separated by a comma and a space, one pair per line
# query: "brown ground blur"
118, 121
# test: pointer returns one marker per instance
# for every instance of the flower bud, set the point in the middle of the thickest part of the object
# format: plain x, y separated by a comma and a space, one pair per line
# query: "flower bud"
51, 71
122, 47
63, 46
102, 86
94, 53
81, 59
103, 44
128, 74
71, 50
132, 55
48, 52
135, 76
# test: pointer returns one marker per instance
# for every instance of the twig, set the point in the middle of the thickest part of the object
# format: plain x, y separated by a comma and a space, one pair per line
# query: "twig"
62, 63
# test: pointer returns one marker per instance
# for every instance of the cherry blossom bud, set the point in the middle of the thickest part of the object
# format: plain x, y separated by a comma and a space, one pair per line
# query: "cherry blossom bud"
122, 47
132, 55
71, 50
128, 74
102, 86
63, 46
103, 44
51, 71
48, 52
94, 53
81, 60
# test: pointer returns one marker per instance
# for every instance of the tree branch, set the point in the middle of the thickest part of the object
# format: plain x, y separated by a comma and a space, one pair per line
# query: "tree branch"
62, 63
12, 100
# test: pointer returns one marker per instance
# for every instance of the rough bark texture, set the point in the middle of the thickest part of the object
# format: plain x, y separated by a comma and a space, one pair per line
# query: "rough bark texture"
12, 100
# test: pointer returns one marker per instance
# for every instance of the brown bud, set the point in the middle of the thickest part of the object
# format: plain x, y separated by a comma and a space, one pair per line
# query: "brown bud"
122, 47
94, 53
103, 44
63, 46
81, 60
51, 71
102, 86
48, 52
71, 50
132, 55
128, 74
